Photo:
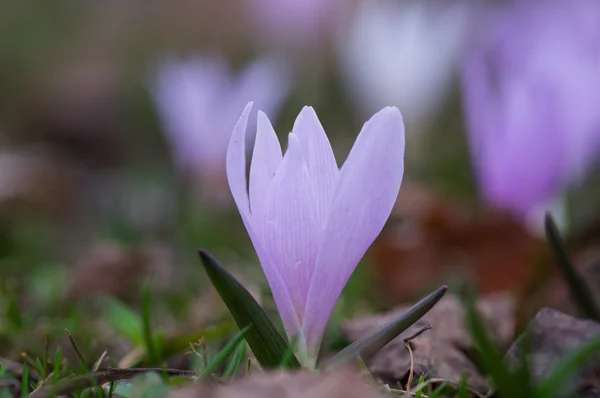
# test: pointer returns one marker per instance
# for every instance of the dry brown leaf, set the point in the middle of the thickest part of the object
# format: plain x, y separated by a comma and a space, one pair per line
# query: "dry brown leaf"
343, 384
430, 238
439, 352
554, 335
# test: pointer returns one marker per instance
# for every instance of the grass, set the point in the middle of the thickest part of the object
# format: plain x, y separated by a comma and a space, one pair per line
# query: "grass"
69, 348
224, 358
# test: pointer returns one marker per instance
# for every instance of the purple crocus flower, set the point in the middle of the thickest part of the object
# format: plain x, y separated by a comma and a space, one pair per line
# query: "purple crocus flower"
310, 222
532, 99
200, 99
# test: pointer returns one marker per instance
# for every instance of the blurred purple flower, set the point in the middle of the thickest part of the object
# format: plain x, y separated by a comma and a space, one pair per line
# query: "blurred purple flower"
532, 99
310, 222
298, 22
200, 99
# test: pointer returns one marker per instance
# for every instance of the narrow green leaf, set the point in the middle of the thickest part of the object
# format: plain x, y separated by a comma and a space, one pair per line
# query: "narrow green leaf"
236, 362
25, 381
567, 366
224, 353
438, 390
505, 382
369, 345
149, 341
126, 322
419, 392
463, 391
580, 290
265, 341
56, 365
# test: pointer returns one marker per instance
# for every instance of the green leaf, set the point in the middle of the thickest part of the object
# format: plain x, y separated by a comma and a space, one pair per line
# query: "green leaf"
126, 322
580, 290
567, 366
25, 381
438, 390
224, 353
265, 341
506, 383
369, 345
235, 364
150, 342
56, 365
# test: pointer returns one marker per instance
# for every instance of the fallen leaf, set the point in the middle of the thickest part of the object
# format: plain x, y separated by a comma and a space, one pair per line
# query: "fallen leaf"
553, 335
439, 352
343, 384
430, 239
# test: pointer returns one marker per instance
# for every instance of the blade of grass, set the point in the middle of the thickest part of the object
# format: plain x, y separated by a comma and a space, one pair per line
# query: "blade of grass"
265, 341
224, 353
369, 345
149, 342
56, 365
235, 364
25, 381
438, 390
583, 295
126, 322
45, 357
76, 348
504, 381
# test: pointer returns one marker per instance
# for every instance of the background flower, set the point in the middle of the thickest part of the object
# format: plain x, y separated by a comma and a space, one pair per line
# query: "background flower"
199, 101
531, 99
403, 53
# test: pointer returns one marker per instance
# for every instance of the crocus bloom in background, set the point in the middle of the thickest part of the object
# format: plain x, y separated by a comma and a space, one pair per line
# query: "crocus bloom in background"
300, 23
532, 99
403, 53
199, 101
310, 222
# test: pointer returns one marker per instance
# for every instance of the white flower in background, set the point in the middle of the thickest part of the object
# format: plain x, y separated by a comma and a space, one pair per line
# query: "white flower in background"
403, 53
199, 101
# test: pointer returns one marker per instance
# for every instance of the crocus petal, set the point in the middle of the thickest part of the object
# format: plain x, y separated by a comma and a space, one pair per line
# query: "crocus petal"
266, 158
366, 190
322, 167
292, 233
236, 165
236, 175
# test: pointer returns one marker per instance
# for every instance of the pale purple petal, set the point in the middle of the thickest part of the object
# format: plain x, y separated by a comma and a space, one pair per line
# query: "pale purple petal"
292, 234
266, 159
184, 92
199, 100
366, 191
322, 167
236, 166
236, 175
